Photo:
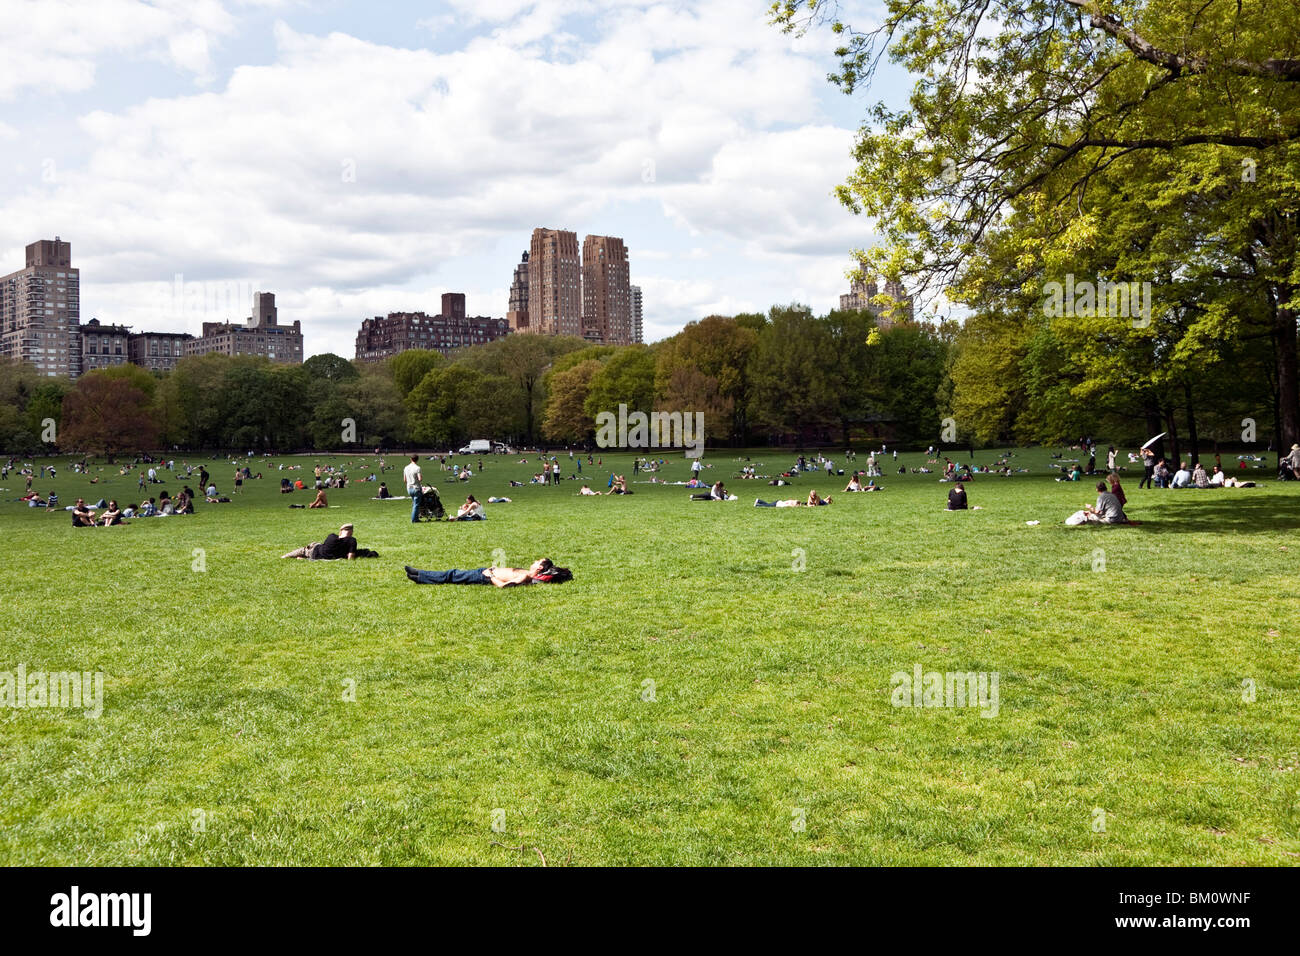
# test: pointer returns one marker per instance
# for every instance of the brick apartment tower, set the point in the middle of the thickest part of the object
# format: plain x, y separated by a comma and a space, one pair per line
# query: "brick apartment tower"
606, 292
517, 314
40, 310
554, 283
385, 336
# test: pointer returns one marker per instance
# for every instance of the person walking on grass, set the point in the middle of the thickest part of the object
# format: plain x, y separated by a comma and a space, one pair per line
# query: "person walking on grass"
414, 484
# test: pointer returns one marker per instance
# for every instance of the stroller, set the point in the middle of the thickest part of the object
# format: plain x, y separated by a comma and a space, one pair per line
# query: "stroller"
431, 508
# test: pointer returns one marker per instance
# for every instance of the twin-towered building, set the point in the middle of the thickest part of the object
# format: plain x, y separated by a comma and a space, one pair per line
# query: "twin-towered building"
860, 296
558, 291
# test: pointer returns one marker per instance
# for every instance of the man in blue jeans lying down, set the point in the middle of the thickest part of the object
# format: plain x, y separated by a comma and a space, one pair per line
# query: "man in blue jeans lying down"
542, 571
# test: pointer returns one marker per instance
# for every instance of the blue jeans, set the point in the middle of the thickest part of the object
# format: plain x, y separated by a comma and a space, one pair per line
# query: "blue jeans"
415, 493
453, 576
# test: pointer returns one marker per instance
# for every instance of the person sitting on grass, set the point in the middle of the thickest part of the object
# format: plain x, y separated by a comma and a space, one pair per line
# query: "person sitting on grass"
1199, 478
383, 491
957, 498
618, 486
716, 492
1288, 465
814, 499
285, 487
112, 515
184, 504
855, 484
53, 503
335, 547
321, 501
1117, 489
471, 510
82, 516
1107, 510
542, 571
1182, 477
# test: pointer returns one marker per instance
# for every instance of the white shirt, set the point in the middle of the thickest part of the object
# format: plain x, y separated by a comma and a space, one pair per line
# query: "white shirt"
412, 475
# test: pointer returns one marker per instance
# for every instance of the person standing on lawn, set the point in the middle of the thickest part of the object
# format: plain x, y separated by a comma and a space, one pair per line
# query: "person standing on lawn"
414, 483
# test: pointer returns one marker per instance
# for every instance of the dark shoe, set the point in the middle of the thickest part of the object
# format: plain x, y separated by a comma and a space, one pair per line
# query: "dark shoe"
411, 572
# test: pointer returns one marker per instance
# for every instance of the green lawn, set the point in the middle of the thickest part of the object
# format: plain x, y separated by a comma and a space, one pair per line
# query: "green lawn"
225, 737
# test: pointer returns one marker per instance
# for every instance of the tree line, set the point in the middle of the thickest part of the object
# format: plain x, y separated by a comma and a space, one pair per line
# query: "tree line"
785, 377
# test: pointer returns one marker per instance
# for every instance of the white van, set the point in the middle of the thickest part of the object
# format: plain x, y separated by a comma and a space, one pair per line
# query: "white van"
479, 446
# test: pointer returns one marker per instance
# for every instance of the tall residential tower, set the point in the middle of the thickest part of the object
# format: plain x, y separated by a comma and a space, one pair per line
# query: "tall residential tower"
40, 310
606, 292
554, 283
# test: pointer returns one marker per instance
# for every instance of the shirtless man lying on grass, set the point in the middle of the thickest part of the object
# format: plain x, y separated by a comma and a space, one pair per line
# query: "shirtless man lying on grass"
542, 571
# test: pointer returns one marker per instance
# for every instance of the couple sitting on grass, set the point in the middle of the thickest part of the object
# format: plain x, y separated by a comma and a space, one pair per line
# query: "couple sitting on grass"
541, 571
855, 483
1109, 508
814, 499
84, 517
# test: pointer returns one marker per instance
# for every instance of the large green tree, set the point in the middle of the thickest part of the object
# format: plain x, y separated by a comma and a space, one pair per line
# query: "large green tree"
1021, 108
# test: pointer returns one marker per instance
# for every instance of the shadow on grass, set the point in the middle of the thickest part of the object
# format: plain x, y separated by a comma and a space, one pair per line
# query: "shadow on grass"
1211, 509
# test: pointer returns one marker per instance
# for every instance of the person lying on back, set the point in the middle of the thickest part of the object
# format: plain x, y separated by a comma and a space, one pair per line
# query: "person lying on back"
541, 571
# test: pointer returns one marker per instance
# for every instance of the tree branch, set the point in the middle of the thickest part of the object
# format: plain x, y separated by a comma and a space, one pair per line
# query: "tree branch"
1288, 71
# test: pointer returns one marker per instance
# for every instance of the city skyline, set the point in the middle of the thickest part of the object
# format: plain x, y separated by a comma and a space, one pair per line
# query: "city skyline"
222, 147
586, 294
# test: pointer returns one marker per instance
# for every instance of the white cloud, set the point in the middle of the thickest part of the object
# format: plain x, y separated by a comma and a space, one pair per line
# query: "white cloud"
56, 45
353, 178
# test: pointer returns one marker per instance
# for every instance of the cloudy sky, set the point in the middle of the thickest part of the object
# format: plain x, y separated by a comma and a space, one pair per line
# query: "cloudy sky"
358, 158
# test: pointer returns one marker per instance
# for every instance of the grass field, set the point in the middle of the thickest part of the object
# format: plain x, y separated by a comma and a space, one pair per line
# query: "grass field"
689, 698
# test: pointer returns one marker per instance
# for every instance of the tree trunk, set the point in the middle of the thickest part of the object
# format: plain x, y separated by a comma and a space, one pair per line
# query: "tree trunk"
1153, 428
1171, 426
1195, 453
1288, 412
